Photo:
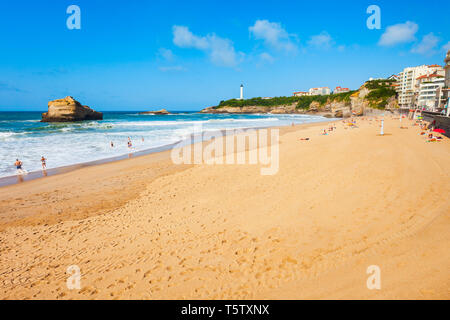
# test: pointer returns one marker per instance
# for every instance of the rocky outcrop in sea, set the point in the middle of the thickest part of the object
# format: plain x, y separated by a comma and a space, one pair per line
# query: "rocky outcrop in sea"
157, 112
69, 110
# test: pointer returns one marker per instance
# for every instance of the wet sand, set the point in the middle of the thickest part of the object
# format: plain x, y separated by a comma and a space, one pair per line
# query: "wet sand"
144, 228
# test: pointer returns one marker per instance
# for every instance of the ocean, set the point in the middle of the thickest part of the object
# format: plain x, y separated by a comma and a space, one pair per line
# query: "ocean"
23, 136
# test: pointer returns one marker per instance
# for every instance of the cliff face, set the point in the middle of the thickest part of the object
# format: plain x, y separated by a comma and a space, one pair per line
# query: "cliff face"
358, 105
69, 110
332, 109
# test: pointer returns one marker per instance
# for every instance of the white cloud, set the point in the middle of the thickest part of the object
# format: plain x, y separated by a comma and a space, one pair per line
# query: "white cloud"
273, 35
184, 38
167, 54
322, 41
172, 68
266, 57
399, 33
220, 50
446, 47
427, 45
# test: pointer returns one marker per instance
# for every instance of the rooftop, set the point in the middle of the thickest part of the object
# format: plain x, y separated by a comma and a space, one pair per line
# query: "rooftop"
433, 75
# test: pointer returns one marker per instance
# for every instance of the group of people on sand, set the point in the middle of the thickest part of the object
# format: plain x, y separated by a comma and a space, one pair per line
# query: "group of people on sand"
350, 123
428, 131
325, 132
331, 128
19, 166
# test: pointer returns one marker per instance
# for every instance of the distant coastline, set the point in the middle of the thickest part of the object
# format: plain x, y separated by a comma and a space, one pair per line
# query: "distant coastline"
372, 95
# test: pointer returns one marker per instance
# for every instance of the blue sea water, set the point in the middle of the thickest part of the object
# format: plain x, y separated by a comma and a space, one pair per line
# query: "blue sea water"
23, 136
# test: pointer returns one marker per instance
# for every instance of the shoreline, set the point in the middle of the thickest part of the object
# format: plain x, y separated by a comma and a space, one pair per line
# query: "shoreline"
149, 229
33, 175
152, 165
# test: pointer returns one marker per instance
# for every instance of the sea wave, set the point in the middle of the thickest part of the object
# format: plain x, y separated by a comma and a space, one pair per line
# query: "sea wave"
193, 122
18, 121
6, 134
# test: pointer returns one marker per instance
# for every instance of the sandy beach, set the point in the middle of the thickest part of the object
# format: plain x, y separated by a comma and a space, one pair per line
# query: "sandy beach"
145, 228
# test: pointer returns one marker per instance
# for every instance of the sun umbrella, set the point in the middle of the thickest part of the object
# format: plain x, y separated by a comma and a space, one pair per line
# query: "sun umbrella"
439, 130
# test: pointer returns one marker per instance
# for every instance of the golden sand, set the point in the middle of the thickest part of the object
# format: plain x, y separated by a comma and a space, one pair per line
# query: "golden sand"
146, 228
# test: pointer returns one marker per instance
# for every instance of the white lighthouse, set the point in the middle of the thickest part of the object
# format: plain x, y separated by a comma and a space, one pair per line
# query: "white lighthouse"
242, 92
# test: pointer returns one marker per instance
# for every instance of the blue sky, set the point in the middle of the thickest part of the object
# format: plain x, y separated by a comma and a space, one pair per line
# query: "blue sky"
186, 55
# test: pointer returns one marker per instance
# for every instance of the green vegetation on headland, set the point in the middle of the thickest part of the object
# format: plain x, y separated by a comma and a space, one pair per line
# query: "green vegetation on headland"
377, 93
380, 92
277, 101
377, 84
305, 101
302, 102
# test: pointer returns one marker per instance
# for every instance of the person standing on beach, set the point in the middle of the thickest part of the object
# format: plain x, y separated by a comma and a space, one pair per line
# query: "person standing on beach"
112, 144
44, 164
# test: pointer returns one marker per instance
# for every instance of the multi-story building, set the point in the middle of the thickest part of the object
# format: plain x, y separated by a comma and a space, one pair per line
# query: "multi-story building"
341, 90
447, 70
408, 88
322, 91
430, 93
446, 88
300, 93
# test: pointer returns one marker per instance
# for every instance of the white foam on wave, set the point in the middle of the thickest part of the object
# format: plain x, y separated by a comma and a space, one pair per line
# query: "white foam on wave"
6, 134
16, 121
193, 122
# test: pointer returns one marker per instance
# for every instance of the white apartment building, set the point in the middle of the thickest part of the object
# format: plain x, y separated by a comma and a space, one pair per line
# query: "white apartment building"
408, 87
430, 90
447, 82
447, 70
322, 91
300, 93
